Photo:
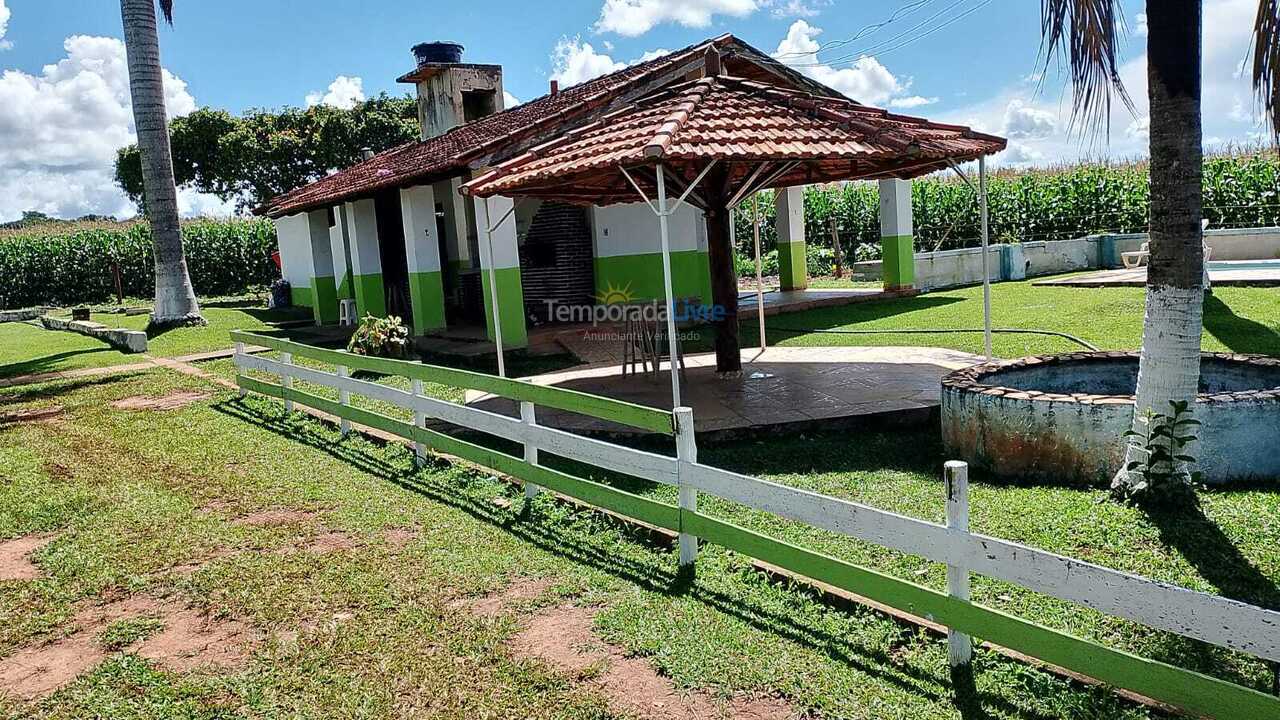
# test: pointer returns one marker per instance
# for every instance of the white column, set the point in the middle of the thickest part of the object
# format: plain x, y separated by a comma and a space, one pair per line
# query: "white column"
366, 261
422, 251
956, 481
500, 260
340, 251
897, 236
324, 298
793, 271
293, 236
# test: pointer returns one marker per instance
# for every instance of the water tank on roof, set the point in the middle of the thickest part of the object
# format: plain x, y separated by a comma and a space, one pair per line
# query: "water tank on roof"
437, 52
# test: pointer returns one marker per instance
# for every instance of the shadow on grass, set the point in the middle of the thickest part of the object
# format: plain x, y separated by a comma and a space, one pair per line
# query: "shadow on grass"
529, 524
57, 387
47, 363
1240, 334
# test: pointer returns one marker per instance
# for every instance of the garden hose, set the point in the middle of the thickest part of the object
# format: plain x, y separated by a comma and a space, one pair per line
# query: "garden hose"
935, 331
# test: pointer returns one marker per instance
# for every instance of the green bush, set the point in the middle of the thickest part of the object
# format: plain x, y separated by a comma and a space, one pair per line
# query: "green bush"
224, 257
1240, 190
380, 337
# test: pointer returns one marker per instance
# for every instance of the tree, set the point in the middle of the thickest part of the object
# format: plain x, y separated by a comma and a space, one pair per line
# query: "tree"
253, 158
175, 298
1086, 32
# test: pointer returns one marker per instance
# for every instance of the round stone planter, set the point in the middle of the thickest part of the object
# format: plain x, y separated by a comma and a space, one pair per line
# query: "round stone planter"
1062, 418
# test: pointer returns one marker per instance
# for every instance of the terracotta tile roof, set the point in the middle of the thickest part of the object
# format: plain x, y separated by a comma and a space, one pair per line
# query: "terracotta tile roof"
740, 122
500, 134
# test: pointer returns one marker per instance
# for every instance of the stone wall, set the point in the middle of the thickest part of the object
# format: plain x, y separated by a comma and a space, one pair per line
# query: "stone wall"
130, 341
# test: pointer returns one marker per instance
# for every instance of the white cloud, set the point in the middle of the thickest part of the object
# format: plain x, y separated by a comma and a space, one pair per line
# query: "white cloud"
637, 17
574, 61
1020, 154
1028, 122
794, 8
509, 101
59, 131
1139, 129
866, 81
912, 101
344, 92
1140, 24
5, 14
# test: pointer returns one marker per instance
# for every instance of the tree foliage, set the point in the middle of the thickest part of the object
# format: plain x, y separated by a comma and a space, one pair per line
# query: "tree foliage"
252, 158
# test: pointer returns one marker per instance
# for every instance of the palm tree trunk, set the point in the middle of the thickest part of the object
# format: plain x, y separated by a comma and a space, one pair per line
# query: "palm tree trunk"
175, 298
1169, 369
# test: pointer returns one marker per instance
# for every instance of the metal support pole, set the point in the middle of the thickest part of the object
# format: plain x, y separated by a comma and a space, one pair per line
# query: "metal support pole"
493, 287
239, 352
956, 479
419, 452
528, 417
286, 380
666, 280
755, 216
986, 257
686, 452
344, 399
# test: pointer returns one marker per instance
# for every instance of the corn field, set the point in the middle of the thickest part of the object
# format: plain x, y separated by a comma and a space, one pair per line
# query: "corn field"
46, 266
1240, 190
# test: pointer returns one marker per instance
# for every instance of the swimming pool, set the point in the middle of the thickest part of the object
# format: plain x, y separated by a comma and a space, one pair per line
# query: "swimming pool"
1229, 265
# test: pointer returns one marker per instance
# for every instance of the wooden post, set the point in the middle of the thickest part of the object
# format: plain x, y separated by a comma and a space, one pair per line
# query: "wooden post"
956, 479
239, 352
419, 452
528, 417
686, 452
835, 247
287, 381
344, 399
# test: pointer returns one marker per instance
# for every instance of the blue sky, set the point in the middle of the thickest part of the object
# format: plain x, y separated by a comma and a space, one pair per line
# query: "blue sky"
64, 101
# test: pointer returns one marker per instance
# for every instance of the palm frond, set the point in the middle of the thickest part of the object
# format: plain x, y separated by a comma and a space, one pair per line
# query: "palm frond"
1266, 62
1086, 32
166, 9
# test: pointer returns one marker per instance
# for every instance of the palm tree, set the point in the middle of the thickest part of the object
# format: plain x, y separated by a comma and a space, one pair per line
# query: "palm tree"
175, 298
1085, 31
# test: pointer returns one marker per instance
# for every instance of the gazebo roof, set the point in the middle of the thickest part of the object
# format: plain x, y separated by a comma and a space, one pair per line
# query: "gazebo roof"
765, 135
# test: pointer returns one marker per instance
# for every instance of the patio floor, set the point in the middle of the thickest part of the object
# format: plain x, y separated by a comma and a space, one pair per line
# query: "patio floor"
1225, 272
791, 387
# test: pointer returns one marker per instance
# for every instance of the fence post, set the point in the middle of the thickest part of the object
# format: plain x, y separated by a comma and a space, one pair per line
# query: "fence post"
344, 399
529, 418
686, 452
240, 351
956, 478
287, 380
419, 453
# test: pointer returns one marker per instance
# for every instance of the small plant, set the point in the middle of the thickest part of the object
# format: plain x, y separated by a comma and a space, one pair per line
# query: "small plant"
123, 633
1162, 470
380, 337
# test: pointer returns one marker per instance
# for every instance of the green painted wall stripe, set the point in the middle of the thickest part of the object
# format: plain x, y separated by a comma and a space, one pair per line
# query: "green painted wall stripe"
631, 414
793, 268
592, 493
345, 290
301, 296
371, 295
515, 333
898, 260
641, 275
1184, 688
426, 295
324, 294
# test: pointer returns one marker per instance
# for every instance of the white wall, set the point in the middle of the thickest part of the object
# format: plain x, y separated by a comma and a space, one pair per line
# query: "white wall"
632, 229
293, 232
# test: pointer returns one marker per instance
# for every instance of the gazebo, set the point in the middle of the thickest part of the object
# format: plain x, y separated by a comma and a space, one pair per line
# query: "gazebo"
715, 141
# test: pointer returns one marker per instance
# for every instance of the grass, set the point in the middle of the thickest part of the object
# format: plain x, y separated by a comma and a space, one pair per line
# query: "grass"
123, 633
27, 348
130, 495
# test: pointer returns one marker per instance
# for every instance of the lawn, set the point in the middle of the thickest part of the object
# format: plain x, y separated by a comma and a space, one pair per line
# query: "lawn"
27, 348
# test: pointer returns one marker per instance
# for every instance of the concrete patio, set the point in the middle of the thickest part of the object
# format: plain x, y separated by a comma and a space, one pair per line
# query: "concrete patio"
790, 388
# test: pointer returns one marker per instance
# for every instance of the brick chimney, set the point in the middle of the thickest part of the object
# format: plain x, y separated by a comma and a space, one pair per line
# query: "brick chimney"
451, 92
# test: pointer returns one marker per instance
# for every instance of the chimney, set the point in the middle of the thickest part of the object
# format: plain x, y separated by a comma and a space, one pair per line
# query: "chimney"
555, 87
451, 92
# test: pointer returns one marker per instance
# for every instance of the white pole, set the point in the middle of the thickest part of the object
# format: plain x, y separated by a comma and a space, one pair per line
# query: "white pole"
755, 214
986, 257
419, 452
686, 452
666, 279
344, 399
286, 380
493, 286
956, 479
528, 417
240, 351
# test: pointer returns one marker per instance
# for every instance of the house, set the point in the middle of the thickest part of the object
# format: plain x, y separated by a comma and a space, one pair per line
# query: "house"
394, 234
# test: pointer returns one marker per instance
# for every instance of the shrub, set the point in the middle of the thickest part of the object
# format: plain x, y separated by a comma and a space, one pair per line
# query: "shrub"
76, 266
380, 337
